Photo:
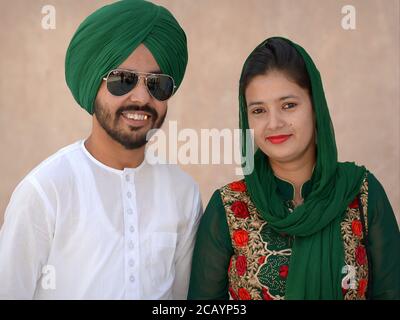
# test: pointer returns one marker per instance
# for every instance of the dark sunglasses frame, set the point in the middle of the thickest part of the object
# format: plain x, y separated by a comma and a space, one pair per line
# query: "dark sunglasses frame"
140, 75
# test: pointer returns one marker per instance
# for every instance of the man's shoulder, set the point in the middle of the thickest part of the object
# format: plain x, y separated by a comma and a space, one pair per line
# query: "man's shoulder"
42, 180
56, 164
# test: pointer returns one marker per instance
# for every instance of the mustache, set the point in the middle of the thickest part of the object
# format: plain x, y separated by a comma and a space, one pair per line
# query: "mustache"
146, 108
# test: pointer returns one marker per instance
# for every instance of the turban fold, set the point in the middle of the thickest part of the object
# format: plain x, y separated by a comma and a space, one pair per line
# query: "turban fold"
106, 38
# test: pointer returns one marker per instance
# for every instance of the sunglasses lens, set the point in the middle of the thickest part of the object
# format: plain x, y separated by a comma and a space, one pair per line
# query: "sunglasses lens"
121, 82
161, 86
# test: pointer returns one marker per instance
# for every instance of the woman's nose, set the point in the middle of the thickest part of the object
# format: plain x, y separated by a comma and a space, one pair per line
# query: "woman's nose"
275, 120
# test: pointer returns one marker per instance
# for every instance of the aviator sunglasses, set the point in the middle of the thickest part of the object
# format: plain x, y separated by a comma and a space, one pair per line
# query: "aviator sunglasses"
121, 81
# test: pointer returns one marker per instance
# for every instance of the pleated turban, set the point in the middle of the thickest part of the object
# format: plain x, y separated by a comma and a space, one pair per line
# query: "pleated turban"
108, 36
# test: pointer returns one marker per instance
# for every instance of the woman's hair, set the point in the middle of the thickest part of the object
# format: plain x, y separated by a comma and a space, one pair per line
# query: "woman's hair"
275, 55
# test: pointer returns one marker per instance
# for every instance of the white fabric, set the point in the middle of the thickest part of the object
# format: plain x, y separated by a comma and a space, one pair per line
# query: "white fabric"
77, 229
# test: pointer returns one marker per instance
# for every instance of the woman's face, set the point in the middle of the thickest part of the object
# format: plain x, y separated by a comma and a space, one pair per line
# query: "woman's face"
280, 113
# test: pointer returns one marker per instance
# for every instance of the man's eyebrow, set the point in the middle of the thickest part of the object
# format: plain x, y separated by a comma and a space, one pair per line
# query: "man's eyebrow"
158, 71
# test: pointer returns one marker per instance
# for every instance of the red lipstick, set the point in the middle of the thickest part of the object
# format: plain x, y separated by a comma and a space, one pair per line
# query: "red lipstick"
278, 139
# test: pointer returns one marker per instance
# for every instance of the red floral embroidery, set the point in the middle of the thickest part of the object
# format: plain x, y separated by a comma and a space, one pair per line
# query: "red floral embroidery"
361, 255
244, 294
233, 294
241, 238
240, 209
283, 271
354, 204
261, 260
265, 295
230, 265
241, 265
362, 287
356, 227
238, 186
344, 291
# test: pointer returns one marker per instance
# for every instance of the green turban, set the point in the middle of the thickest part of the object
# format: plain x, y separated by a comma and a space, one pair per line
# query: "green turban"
107, 37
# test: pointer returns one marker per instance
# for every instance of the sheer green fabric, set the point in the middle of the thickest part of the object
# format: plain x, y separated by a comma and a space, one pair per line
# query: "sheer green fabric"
317, 254
213, 248
109, 35
212, 253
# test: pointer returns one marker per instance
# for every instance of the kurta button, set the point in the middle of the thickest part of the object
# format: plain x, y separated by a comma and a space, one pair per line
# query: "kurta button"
132, 278
130, 211
127, 178
131, 229
129, 194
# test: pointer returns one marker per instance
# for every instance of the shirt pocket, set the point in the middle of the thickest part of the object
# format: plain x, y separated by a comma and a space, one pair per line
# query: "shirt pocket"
162, 269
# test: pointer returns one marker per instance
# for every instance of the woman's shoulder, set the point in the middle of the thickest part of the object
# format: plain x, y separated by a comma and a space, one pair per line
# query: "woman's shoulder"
374, 185
234, 186
227, 193
380, 210
214, 224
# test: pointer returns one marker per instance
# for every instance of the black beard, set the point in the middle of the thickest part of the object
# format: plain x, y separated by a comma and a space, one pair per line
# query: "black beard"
134, 140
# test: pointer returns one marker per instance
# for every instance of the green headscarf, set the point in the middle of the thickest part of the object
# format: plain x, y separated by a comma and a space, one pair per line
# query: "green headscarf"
317, 253
109, 35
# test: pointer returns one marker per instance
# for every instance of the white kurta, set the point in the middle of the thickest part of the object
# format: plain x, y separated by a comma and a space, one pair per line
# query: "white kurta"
77, 229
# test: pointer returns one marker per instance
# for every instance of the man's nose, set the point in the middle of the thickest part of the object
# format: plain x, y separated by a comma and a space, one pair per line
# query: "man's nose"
139, 94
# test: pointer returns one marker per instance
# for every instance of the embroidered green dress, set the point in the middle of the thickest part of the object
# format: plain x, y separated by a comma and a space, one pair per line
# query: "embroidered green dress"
239, 256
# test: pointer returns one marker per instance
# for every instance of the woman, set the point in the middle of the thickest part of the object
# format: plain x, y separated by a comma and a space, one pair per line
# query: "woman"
301, 225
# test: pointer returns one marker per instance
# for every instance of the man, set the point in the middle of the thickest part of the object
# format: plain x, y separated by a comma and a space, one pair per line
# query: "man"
95, 220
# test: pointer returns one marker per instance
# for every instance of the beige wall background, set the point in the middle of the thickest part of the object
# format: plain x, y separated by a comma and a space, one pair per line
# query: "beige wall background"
360, 70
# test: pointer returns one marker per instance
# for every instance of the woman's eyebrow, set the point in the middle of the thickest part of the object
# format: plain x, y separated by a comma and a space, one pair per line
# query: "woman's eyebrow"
254, 103
290, 96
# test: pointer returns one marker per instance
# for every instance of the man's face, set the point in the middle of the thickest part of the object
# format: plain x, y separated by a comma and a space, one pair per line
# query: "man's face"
127, 119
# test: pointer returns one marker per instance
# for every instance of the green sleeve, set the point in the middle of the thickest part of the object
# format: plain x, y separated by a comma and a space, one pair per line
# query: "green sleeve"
212, 253
384, 243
